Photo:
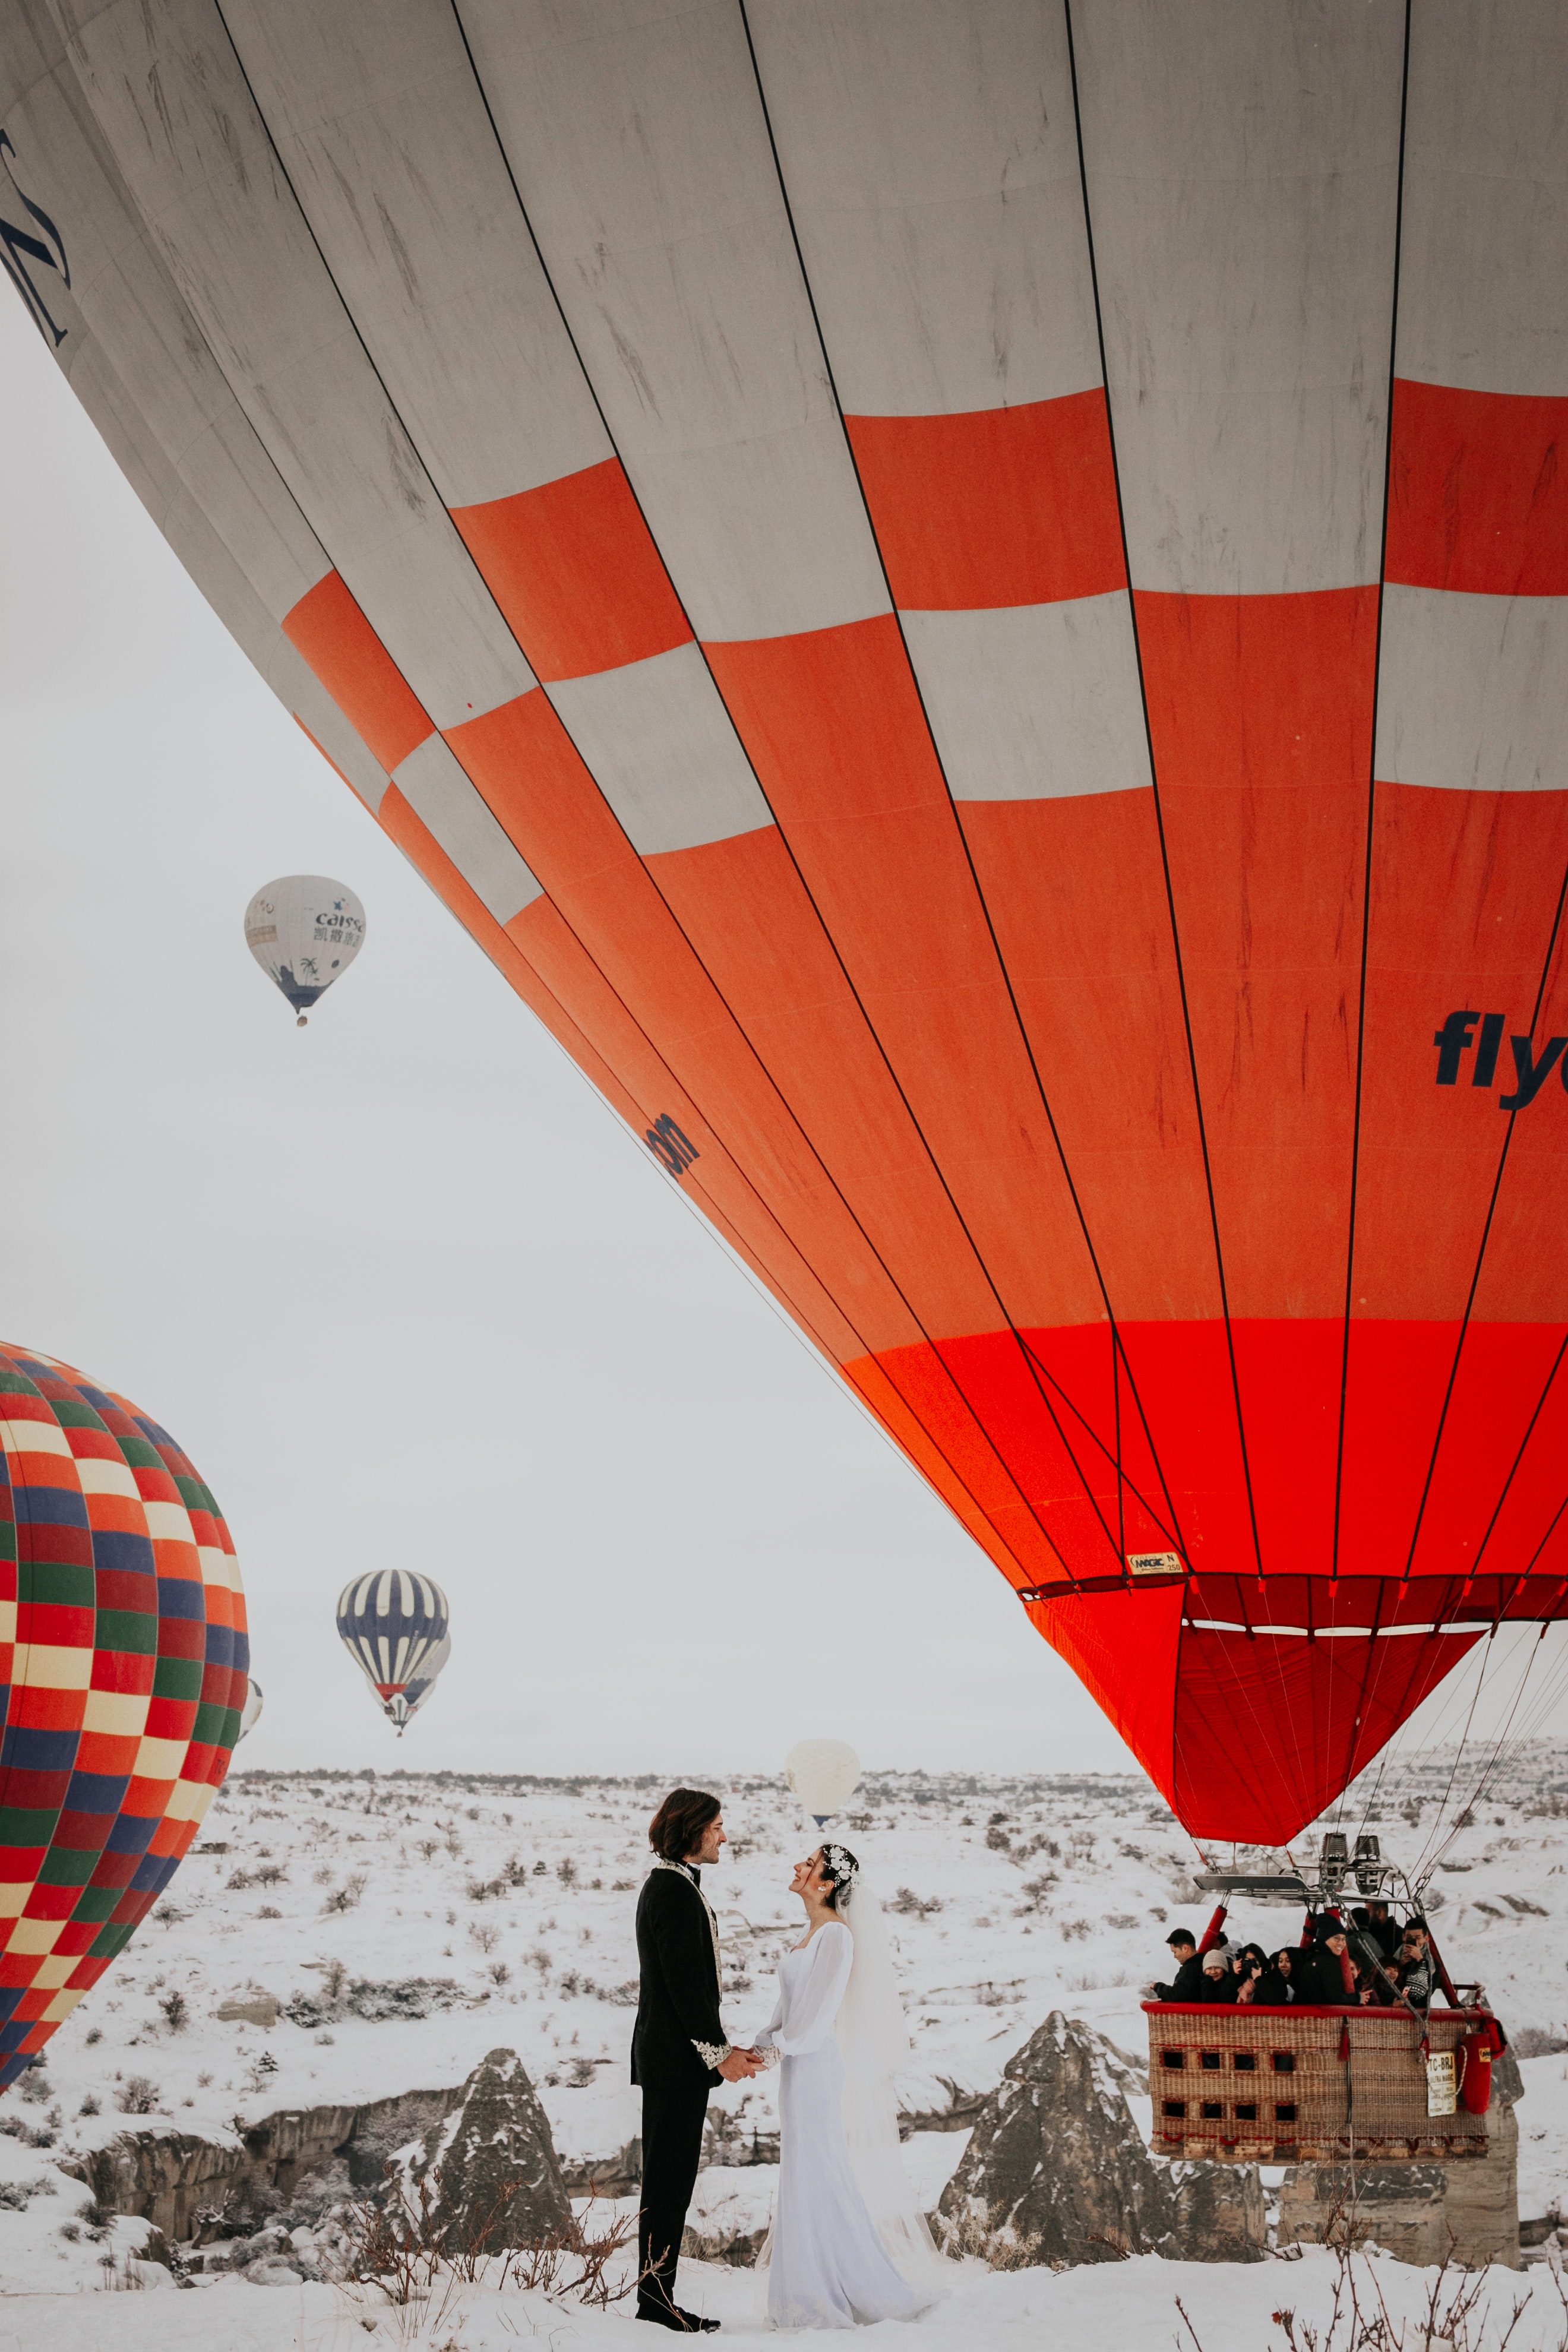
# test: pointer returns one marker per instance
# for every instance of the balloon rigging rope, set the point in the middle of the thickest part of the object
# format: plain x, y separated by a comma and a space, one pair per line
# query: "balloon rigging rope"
1503, 1742
1509, 1741
1399, 1762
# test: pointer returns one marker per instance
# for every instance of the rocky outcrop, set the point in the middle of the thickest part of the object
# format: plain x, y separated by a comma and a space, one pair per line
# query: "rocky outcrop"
730, 2215
1055, 2163
491, 2168
1421, 2213
180, 2183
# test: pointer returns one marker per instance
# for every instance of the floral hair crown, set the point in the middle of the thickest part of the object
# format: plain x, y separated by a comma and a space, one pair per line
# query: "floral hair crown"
842, 1866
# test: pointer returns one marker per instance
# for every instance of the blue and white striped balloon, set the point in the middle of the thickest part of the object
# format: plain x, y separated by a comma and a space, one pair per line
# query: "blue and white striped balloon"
393, 1623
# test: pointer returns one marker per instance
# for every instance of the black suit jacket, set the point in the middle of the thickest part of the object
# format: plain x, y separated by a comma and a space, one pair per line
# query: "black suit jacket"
677, 1998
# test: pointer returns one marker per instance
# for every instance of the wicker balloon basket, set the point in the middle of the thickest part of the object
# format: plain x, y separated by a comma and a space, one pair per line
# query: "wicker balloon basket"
1309, 2085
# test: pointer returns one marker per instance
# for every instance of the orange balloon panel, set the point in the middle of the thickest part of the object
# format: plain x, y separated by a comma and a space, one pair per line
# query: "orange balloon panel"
971, 604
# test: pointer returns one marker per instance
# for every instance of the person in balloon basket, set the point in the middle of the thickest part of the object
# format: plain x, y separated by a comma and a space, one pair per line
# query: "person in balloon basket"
679, 2048
1322, 1974
1188, 1954
1219, 1982
1416, 1969
1377, 1928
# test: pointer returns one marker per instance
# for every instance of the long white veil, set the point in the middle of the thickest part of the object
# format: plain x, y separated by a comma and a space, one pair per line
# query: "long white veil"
874, 2041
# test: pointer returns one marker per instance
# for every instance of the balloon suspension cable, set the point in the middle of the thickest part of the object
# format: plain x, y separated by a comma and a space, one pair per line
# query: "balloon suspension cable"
1396, 1765
1488, 1769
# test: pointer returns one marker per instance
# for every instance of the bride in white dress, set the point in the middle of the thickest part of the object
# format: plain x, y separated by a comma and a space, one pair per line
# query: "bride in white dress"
849, 2245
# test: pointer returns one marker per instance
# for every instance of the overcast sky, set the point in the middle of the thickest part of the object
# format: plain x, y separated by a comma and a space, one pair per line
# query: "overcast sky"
399, 1283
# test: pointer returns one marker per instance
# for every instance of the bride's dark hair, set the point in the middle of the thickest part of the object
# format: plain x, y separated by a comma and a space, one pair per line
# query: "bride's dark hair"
838, 1866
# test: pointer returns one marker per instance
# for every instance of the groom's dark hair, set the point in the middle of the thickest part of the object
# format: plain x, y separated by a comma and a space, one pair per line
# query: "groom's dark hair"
676, 1830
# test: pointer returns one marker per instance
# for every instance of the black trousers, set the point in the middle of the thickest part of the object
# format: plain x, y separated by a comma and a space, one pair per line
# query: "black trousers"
673, 2116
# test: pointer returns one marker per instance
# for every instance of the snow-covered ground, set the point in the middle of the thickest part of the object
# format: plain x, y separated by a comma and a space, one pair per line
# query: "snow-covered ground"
1141, 2305
404, 1925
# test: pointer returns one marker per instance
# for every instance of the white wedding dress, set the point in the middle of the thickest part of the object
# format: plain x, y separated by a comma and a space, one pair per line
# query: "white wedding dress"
828, 2260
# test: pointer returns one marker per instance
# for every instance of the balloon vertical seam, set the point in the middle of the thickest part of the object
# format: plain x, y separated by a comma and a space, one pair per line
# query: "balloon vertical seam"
1371, 797
1159, 813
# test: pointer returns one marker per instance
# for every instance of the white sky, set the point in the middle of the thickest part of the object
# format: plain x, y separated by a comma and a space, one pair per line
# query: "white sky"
400, 1283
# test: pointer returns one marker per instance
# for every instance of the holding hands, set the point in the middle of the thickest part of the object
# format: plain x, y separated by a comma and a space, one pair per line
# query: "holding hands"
739, 2065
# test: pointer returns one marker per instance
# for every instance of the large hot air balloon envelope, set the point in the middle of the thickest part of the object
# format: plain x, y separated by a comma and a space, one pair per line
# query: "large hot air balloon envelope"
392, 1624
970, 600
304, 932
124, 1657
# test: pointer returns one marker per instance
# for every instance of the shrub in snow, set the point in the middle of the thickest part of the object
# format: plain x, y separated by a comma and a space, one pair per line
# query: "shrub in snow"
176, 2012
15, 2194
346, 1897
30, 2134
913, 1905
140, 2097
1536, 2041
409, 1997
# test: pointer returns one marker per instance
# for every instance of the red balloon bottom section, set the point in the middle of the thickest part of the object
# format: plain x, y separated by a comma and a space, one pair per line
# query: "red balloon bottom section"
1257, 1620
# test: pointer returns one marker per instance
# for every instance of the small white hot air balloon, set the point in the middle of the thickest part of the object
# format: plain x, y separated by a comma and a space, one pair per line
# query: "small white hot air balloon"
824, 1775
304, 930
250, 1714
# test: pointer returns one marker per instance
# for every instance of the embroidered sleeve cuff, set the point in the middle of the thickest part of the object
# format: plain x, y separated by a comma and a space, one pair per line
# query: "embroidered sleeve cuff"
771, 2056
712, 2054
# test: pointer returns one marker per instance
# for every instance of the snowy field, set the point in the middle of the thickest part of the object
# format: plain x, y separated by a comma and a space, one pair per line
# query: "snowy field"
1129, 2306
406, 1925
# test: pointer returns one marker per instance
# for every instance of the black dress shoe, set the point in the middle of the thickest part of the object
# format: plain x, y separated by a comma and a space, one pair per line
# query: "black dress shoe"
684, 2323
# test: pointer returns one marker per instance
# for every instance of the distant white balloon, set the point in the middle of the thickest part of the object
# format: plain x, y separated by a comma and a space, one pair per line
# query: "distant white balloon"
824, 1775
304, 930
250, 1714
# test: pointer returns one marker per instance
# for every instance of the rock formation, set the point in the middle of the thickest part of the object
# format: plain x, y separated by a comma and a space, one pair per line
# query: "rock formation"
173, 2178
1421, 2213
491, 2168
1056, 2160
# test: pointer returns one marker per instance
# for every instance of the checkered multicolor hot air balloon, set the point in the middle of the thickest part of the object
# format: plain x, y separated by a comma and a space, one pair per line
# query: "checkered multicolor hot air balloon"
392, 1624
123, 1674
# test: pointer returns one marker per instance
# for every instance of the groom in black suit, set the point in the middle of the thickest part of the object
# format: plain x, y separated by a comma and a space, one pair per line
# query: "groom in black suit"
678, 2048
